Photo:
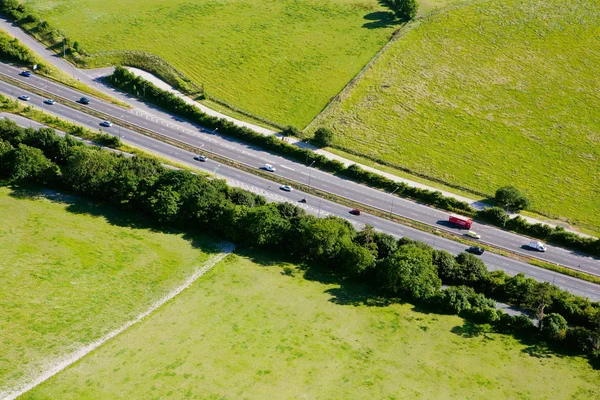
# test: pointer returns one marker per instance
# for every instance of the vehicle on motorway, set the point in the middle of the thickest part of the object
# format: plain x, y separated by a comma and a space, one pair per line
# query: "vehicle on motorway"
200, 158
355, 211
537, 245
302, 200
463, 222
107, 124
475, 250
49, 101
474, 235
25, 73
24, 97
269, 168
286, 188
84, 100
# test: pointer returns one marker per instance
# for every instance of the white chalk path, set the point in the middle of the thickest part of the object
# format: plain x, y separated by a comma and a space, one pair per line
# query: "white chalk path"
63, 363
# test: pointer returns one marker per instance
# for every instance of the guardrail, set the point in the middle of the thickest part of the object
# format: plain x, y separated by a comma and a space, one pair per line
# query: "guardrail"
373, 210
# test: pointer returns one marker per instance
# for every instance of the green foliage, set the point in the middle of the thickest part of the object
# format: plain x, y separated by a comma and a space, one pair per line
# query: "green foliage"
405, 9
509, 196
323, 137
26, 163
554, 327
410, 272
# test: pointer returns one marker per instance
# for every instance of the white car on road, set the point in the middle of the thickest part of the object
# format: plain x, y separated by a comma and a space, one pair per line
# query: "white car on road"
286, 188
269, 168
24, 97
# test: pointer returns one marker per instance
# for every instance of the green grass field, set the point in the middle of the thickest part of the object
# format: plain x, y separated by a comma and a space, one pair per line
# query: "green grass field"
485, 95
282, 60
246, 330
71, 272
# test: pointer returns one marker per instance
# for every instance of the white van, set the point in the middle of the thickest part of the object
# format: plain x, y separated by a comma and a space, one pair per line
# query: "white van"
537, 245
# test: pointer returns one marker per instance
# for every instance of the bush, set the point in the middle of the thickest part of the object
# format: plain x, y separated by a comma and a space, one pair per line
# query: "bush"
323, 137
554, 327
510, 196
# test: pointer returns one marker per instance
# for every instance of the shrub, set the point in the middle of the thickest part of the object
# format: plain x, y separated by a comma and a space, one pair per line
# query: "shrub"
554, 327
510, 196
323, 137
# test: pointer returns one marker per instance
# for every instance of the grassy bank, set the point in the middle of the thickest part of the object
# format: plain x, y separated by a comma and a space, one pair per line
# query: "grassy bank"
12, 51
72, 271
486, 95
256, 328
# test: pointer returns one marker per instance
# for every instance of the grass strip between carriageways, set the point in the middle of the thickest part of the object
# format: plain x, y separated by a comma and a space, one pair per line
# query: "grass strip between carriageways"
309, 189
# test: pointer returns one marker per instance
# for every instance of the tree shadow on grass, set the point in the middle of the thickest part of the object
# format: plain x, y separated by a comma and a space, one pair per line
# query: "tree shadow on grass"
111, 214
381, 19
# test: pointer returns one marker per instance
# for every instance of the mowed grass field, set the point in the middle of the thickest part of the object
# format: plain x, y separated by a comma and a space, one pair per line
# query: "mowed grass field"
71, 272
246, 330
494, 93
282, 60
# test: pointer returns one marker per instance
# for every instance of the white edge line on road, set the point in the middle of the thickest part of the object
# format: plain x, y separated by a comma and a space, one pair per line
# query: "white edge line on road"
61, 364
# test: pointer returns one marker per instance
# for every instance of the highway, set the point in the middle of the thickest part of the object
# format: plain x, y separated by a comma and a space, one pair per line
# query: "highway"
236, 150
314, 205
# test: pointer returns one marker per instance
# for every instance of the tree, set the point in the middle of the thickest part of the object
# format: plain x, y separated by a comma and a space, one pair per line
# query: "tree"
510, 196
386, 245
322, 239
554, 327
410, 271
290, 211
164, 203
366, 239
446, 265
29, 163
89, 170
470, 269
263, 225
323, 137
405, 9
539, 298
355, 259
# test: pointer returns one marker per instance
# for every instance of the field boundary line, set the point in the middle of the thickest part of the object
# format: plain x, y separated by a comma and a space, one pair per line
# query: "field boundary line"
61, 364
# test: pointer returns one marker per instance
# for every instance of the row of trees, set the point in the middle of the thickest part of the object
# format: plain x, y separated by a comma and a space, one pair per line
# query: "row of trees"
395, 268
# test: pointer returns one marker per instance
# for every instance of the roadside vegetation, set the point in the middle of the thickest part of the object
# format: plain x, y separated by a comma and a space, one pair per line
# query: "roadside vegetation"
72, 271
12, 51
398, 269
513, 199
256, 325
489, 94
279, 60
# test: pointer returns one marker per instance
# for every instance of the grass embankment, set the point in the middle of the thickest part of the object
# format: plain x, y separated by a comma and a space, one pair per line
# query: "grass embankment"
10, 47
280, 60
72, 271
486, 95
247, 330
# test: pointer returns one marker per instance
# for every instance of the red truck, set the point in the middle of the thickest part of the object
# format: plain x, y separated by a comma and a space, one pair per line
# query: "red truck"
463, 222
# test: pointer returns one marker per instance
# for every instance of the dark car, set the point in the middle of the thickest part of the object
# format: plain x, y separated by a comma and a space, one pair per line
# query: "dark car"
25, 73
355, 212
200, 158
475, 250
84, 100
